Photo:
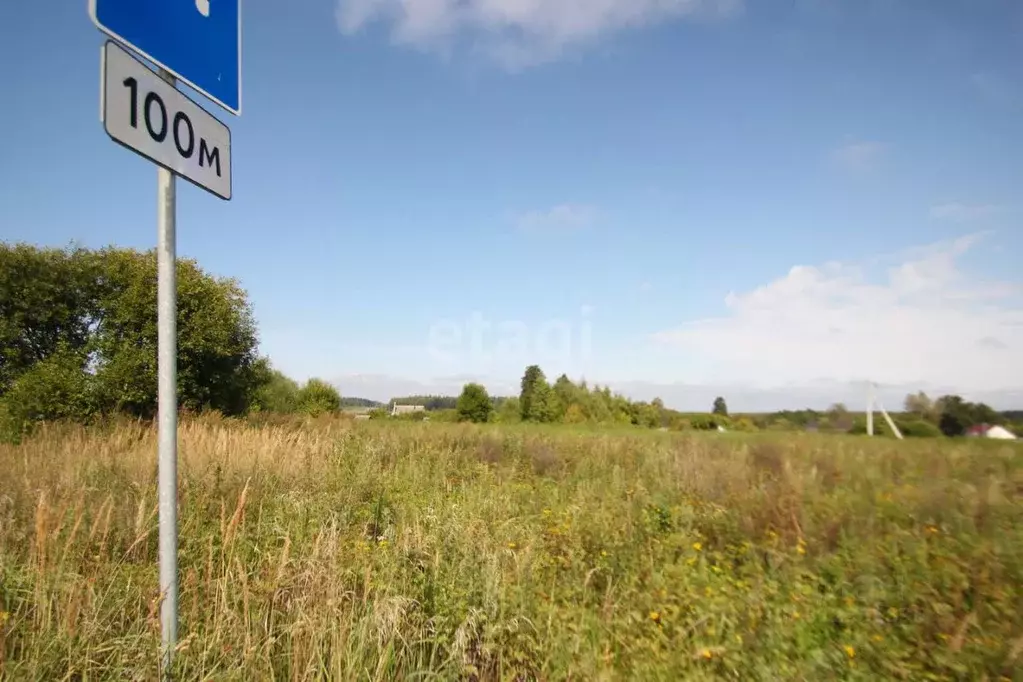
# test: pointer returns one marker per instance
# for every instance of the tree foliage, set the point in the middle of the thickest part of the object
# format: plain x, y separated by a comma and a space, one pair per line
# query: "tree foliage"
283, 395
318, 397
350, 401
720, 407
920, 405
78, 335
506, 411
838, 418
533, 382
474, 404
48, 302
277, 392
956, 415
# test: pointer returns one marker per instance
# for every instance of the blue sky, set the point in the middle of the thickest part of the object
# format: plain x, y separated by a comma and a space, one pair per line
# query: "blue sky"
621, 188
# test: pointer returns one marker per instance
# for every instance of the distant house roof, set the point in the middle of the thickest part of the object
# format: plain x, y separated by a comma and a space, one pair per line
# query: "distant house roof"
1000, 433
988, 431
406, 409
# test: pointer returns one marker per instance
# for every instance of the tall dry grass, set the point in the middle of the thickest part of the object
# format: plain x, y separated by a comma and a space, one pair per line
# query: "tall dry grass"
382, 551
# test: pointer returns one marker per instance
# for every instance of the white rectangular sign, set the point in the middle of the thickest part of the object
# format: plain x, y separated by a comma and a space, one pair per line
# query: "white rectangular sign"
147, 114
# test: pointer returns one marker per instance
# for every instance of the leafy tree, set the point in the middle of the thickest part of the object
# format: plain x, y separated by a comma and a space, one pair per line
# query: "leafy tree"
955, 415
532, 380
277, 392
662, 414
958, 415
507, 411
708, 422
839, 418
720, 407
318, 397
474, 404
347, 401
952, 424
52, 389
47, 302
919, 404
985, 414
99, 308
645, 415
574, 414
216, 337
545, 407
566, 393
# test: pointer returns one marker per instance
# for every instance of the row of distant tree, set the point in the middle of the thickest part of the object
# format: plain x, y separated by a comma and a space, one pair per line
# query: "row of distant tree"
569, 402
283, 395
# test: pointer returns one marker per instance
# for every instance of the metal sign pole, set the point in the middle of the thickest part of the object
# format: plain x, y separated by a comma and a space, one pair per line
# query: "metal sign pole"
167, 357
201, 46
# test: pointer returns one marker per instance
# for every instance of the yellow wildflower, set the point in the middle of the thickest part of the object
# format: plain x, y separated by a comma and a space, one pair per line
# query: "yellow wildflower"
655, 617
697, 546
706, 653
849, 651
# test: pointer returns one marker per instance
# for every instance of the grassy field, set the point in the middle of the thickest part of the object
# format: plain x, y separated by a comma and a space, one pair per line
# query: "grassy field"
390, 551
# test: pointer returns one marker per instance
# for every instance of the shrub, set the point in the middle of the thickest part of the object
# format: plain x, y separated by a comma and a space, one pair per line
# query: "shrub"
919, 428
56, 388
318, 397
278, 393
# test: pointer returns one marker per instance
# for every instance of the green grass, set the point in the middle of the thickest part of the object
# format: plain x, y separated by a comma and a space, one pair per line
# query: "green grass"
327, 549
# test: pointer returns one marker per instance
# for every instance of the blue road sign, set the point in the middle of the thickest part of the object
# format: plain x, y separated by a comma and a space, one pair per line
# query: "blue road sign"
199, 41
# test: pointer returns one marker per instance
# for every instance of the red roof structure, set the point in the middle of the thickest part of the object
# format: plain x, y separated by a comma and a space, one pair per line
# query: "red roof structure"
977, 430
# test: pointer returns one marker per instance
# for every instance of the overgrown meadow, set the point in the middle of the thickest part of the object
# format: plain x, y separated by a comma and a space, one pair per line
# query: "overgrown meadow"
333, 549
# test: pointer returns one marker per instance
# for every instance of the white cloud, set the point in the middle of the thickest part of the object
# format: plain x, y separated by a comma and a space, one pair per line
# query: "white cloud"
858, 155
517, 33
963, 213
925, 319
561, 217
